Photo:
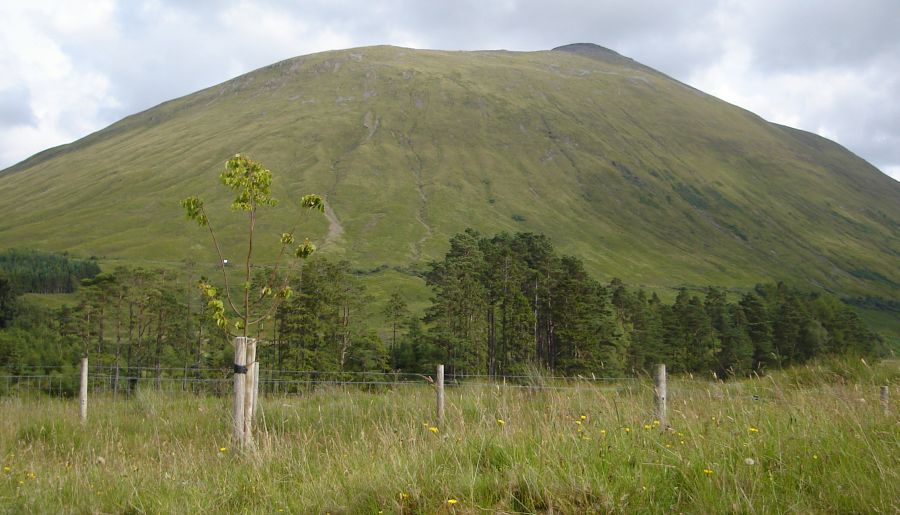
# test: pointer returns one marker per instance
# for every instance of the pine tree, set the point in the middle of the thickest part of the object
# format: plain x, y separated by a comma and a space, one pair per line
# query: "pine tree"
788, 323
759, 330
7, 302
459, 304
729, 326
648, 337
396, 311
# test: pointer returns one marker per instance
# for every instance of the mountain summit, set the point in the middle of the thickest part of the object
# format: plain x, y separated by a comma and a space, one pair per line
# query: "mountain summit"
641, 176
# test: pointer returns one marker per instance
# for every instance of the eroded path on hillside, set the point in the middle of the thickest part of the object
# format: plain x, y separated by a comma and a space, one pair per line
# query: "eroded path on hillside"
335, 229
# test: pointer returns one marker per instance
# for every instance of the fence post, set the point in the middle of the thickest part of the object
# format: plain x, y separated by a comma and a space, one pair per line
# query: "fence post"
116, 381
240, 381
439, 383
83, 390
659, 394
885, 400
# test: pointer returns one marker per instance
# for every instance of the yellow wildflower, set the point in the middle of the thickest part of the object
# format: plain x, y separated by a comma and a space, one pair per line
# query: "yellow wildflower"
753, 429
815, 456
648, 426
222, 449
708, 472
603, 432
451, 502
433, 429
6, 469
627, 429
404, 496
501, 422
583, 418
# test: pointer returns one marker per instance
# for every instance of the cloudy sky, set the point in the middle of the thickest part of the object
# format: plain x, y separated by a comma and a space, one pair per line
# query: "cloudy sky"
827, 66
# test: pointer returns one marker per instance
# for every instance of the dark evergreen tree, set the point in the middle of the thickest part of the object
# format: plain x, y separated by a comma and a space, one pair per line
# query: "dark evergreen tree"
729, 327
648, 336
538, 288
7, 302
396, 312
788, 323
593, 339
759, 330
459, 304
322, 325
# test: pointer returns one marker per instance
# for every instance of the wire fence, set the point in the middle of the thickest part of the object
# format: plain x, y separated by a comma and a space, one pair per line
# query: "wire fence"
63, 381
123, 382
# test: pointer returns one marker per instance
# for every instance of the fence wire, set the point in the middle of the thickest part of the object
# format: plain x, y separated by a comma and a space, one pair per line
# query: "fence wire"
63, 381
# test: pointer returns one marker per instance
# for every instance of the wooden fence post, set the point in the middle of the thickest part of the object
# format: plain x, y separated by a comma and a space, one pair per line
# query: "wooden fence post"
240, 387
659, 394
886, 400
439, 383
83, 390
116, 382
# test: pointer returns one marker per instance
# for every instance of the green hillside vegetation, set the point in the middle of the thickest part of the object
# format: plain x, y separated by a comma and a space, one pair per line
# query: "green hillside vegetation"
638, 175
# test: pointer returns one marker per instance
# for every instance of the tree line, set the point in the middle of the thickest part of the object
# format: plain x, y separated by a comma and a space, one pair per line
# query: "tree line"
33, 271
504, 304
501, 305
130, 320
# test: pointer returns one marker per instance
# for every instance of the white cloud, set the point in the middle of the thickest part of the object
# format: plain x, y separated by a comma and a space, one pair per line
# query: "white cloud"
63, 100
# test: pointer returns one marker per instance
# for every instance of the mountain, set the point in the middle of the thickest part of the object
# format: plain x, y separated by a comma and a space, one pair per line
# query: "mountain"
643, 177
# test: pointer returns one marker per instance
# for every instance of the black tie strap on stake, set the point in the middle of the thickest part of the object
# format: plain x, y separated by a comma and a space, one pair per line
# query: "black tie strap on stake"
240, 369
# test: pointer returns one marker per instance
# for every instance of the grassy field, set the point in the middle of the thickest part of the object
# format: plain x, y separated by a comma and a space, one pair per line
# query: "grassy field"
809, 440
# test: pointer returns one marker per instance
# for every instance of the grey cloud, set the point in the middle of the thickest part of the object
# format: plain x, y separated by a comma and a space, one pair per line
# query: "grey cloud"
809, 34
871, 130
15, 108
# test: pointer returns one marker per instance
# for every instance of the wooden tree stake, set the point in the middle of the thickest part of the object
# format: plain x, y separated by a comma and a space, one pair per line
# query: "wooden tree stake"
240, 382
248, 392
255, 386
659, 394
886, 400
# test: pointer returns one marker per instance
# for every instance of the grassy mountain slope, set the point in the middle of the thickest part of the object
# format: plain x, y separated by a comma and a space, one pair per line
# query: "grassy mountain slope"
641, 176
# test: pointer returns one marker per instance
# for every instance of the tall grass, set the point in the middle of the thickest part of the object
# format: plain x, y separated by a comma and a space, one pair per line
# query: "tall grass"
775, 444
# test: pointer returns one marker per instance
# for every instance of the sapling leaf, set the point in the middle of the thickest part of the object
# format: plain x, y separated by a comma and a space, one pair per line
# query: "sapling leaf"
305, 249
